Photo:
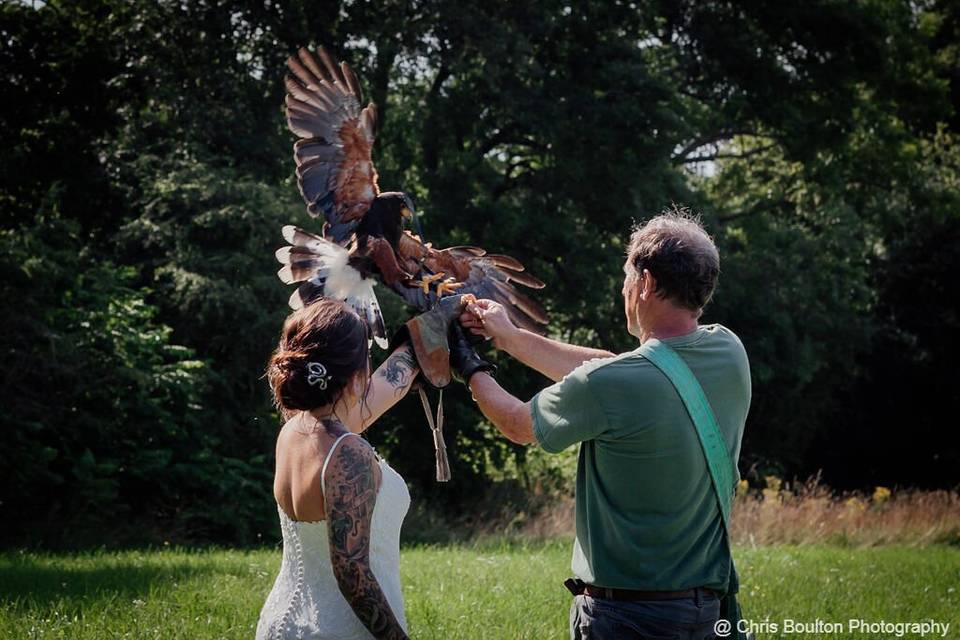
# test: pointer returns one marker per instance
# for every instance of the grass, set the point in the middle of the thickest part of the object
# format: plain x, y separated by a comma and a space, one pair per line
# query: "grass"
484, 590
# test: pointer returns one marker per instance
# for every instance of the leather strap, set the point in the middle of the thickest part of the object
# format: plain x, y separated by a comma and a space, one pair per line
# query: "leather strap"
632, 595
719, 463
705, 422
436, 427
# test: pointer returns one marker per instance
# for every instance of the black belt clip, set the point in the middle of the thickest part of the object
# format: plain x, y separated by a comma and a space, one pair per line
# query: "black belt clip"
575, 586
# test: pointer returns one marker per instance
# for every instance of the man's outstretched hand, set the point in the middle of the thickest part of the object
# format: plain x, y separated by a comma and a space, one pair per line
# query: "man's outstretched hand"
489, 319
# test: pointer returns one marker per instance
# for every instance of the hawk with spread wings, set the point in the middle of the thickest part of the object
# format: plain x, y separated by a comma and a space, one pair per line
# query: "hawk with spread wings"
363, 238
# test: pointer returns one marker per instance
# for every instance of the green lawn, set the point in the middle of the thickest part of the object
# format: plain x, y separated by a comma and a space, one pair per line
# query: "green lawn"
485, 591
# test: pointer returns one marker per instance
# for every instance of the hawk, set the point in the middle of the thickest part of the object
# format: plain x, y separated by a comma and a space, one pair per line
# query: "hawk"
363, 238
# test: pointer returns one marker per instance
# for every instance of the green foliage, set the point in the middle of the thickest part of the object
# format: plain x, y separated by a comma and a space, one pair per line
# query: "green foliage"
109, 428
146, 173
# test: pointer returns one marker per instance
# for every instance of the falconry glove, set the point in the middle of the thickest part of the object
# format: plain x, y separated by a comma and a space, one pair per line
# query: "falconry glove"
428, 334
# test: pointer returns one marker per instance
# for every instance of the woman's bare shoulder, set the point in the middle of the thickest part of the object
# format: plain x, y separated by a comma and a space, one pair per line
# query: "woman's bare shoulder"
356, 450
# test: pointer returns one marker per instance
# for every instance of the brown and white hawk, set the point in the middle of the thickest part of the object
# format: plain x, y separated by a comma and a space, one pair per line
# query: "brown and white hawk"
363, 239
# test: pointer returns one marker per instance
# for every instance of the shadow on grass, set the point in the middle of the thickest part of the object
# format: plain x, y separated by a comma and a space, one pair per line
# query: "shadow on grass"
40, 580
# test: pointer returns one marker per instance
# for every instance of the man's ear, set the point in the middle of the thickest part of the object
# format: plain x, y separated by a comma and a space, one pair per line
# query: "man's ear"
647, 284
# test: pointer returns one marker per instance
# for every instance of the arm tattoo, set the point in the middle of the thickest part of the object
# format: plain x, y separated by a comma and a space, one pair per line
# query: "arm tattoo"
351, 495
399, 370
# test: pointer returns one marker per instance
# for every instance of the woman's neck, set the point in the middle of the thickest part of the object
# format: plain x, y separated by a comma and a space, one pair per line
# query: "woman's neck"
324, 418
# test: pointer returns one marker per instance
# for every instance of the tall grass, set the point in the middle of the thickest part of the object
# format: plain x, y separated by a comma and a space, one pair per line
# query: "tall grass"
804, 513
812, 514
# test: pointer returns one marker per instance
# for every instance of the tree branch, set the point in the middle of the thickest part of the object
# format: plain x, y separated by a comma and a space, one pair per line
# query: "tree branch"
726, 156
714, 138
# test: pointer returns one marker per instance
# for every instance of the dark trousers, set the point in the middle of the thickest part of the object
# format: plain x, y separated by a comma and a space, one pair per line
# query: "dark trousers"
681, 619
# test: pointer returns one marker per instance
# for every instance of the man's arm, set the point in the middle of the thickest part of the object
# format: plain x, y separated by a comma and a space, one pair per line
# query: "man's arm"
507, 413
552, 358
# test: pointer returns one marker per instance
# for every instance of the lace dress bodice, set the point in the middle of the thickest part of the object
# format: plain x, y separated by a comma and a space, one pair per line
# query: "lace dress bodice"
305, 601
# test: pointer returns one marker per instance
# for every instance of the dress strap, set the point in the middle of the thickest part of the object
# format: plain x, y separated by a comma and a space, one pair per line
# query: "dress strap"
323, 471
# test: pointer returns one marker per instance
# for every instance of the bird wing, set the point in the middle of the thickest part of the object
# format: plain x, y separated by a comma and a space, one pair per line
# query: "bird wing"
335, 171
322, 268
483, 274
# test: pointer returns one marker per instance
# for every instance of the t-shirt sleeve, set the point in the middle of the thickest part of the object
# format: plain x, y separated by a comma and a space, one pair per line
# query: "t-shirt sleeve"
566, 413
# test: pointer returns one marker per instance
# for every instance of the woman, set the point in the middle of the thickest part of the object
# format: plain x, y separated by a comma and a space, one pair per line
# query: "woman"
340, 504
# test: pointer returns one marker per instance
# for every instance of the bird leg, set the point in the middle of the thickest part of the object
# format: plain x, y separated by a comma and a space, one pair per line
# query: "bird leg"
385, 258
450, 285
425, 281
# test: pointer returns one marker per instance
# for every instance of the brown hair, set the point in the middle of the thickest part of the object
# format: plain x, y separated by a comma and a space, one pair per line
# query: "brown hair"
679, 254
328, 333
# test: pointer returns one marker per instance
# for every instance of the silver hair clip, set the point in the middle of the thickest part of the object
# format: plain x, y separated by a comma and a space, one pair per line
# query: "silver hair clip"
317, 375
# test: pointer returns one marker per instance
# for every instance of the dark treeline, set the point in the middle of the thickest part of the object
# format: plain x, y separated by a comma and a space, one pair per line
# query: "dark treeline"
146, 172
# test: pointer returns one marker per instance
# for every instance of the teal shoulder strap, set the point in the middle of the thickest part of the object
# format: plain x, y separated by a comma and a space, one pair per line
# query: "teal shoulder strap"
708, 430
722, 471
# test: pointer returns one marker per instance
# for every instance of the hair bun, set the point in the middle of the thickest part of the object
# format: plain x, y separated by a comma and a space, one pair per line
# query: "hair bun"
321, 347
287, 359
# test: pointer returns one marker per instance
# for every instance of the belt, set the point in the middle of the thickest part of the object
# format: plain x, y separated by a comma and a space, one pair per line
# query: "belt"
577, 587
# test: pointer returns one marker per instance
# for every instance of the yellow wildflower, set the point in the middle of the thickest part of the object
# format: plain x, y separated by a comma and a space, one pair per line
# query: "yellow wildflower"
854, 503
773, 483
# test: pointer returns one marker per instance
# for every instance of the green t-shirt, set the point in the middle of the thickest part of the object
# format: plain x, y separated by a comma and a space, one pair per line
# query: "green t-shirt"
646, 514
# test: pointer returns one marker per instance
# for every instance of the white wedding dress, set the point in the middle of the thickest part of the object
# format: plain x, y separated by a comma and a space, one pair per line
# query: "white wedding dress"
305, 601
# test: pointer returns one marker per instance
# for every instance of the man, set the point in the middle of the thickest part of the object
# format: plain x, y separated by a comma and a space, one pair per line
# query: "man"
650, 553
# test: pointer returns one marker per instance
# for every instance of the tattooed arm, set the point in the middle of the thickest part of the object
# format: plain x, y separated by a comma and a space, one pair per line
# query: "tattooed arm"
389, 383
350, 494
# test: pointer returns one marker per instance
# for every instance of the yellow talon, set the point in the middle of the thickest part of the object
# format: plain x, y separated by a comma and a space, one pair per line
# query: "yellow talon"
448, 286
427, 280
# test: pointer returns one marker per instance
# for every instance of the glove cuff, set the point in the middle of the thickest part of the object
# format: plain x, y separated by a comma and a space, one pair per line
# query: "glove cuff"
477, 367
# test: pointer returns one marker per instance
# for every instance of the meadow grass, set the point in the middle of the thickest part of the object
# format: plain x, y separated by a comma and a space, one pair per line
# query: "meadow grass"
481, 590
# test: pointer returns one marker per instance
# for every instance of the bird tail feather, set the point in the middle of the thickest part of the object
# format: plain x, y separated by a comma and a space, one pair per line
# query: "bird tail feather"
322, 269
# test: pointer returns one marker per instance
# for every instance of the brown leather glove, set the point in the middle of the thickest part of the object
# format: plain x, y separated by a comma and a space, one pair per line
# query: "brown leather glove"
428, 335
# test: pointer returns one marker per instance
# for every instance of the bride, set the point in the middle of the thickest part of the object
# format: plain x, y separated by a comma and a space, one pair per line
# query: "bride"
340, 504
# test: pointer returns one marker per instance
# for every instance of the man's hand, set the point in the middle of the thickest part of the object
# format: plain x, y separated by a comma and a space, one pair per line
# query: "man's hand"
552, 358
489, 319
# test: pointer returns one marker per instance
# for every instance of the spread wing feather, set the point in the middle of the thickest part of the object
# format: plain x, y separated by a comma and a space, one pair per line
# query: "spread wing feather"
485, 275
335, 172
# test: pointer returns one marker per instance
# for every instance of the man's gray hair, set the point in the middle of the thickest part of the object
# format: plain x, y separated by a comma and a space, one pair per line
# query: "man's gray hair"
679, 254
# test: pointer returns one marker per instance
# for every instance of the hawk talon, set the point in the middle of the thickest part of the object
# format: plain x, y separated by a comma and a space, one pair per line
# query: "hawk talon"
449, 286
425, 281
